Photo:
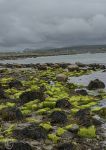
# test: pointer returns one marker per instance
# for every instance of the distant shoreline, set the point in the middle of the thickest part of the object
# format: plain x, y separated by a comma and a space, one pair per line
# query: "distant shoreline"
28, 53
15, 56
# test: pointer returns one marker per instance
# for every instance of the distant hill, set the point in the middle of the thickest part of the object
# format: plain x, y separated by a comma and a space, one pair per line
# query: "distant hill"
70, 50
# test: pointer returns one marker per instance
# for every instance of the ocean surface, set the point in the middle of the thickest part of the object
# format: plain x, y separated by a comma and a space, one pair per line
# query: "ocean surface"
83, 58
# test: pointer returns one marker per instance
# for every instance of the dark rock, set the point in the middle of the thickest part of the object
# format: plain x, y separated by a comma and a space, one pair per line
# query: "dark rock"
64, 65
12, 113
15, 84
96, 84
2, 94
97, 66
67, 135
18, 146
65, 146
32, 131
82, 92
84, 117
58, 117
42, 88
63, 103
97, 120
104, 70
80, 64
74, 128
28, 96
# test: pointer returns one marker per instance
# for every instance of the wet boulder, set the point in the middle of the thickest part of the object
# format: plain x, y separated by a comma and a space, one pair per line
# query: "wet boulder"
67, 135
84, 117
96, 84
58, 117
82, 92
73, 67
11, 113
31, 131
61, 78
28, 96
97, 120
15, 84
63, 103
74, 128
80, 64
18, 146
65, 146
42, 67
55, 66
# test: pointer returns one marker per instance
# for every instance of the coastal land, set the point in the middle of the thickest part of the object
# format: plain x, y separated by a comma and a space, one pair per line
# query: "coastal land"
40, 108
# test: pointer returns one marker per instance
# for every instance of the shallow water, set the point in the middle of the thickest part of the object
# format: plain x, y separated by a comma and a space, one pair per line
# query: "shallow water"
85, 79
84, 58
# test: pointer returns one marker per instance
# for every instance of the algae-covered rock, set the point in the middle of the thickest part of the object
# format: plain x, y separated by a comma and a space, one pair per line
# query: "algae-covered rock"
102, 112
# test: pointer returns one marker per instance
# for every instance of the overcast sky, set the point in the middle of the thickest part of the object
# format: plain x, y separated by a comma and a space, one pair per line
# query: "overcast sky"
51, 23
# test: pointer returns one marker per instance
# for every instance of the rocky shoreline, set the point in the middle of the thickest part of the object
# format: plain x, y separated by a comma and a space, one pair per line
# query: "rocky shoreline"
41, 110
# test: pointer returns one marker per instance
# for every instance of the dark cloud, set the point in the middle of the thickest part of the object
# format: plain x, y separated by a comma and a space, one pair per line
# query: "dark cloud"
51, 23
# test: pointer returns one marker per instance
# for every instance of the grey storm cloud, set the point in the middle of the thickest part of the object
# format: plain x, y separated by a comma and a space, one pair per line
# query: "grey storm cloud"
51, 23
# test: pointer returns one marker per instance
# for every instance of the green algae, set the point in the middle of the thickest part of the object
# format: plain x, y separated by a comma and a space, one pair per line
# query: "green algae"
81, 102
54, 138
50, 105
6, 105
26, 112
10, 129
31, 120
47, 126
87, 132
68, 127
6, 80
60, 131
7, 140
43, 111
